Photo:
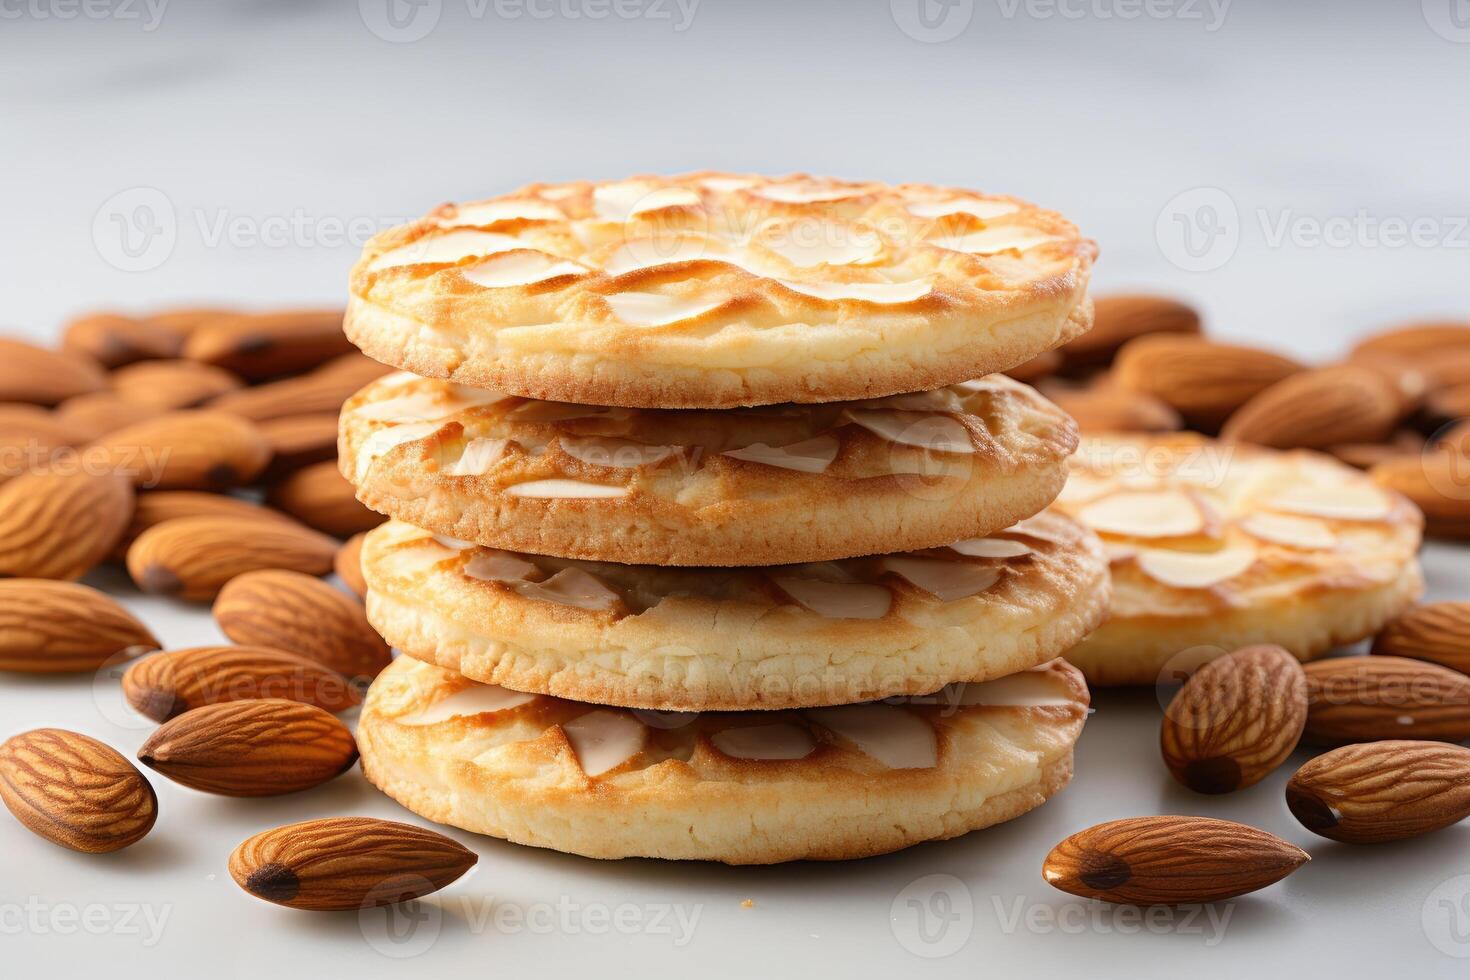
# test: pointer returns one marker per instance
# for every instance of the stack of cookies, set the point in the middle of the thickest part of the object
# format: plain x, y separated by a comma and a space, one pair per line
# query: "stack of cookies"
715, 535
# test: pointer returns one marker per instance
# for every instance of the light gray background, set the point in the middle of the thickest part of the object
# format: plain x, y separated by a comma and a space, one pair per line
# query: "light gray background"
263, 140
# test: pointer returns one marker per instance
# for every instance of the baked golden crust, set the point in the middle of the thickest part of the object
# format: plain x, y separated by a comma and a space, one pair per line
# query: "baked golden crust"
823, 784
736, 639
1215, 546
714, 290
705, 487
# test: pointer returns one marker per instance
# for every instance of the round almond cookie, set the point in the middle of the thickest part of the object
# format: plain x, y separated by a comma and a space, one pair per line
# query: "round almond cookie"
1216, 546
736, 787
715, 290
756, 486
704, 639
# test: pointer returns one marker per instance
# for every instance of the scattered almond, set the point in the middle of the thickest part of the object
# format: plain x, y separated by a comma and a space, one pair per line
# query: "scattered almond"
1169, 861
1317, 409
1203, 380
295, 612
1121, 318
1438, 483
114, 340
265, 747
166, 685
348, 565
1367, 699
75, 791
323, 390
184, 320
193, 557
169, 385
1108, 408
189, 450
157, 506
61, 524
1365, 455
1438, 632
51, 627
102, 412
320, 496
1416, 340
1235, 720
1043, 365
300, 440
266, 345
1381, 791
1448, 405
347, 863
45, 377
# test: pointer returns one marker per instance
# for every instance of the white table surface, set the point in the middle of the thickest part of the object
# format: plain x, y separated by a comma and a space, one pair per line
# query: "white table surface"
265, 138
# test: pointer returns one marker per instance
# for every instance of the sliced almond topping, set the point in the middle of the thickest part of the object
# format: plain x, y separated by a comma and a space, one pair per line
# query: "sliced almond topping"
621, 454
524, 267
384, 440
1294, 532
478, 456
779, 741
477, 700
490, 212
945, 580
805, 193
498, 566
897, 738
809, 456
938, 400
646, 253
1024, 689
991, 548
928, 430
604, 740
974, 206
572, 587
866, 292
619, 202
414, 559
994, 240
837, 600
807, 244
452, 246
454, 544
656, 309
1343, 503
1145, 514
537, 411
564, 489
1195, 570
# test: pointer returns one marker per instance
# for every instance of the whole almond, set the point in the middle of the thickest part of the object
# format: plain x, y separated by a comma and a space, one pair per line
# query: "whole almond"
322, 390
1043, 365
1235, 720
114, 340
1108, 408
1381, 791
1416, 340
45, 377
1438, 632
1447, 405
1120, 318
320, 496
299, 440
295, 612
1203, 380
347, 863
1438, 483
75, 791
1169, 861
1366, 699
184, 320
266, 345
1317, 409
193, 557
102, 412
51, 627
156, 506
172, 385
188, 450
265, 747
33, 438
166, 685
1403, 444
348, 565
61, 524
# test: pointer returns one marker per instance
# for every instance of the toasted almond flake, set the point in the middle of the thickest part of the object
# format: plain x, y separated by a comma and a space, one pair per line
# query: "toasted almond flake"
991, 548
492, 565
725, 185
865, 292
572, 587
1195, 570
805, 193
974, 206
807, 244
1145, 514
479, 699
450, 247
489, 212
619, 202
385, 440
646, 253
837, 600
565, 489
1294, 532
938, 400
897, 738
604, 739
781, 740
994, 240
1037, 688
1040, 528
1358, 502
623, 454
947, 581
455, 544
415, 559
478, 456
809, 456
524, 267
934, 431
655, 309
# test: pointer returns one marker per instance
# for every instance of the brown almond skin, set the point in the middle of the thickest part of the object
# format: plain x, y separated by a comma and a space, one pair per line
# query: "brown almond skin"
319, 496
45, 377
188, 450
1373, 792
1416, 340
322, 390
156, 506
61, 524
1235, 720
51, 627
102, 412
181, 321
114, 340
300, 440
348, 565
1438, 483
1367, 699
347, 863
42, 424
1204, 381
172, 385
1169, 860
1108, 408
258, 346
166, 685
1438, 632
1402, 444
1344, 403
1120, 318
266, 747
75, 791
295, 612
193, 557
